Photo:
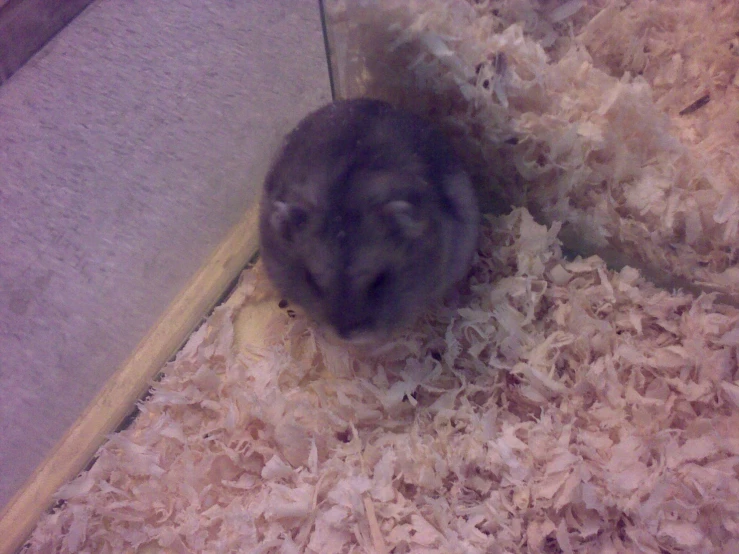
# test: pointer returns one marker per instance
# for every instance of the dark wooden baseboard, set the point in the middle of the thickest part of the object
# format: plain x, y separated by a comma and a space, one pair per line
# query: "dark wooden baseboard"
26, 25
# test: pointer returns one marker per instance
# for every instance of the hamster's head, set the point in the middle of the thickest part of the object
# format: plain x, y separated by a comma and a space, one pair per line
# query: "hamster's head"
363, 258
367, 217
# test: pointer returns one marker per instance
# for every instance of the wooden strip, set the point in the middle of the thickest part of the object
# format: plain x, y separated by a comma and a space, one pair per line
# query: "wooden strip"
129, 383
26, 25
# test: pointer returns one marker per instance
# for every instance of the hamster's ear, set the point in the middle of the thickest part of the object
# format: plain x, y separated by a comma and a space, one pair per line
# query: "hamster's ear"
287, 219
460, 197
406, 218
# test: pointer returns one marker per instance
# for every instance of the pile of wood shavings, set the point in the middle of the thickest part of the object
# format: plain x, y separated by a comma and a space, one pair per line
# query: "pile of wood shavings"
573, 109
564, 408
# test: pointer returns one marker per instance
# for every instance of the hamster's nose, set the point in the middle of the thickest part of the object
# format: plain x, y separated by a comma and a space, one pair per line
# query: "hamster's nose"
348, 327
345, 331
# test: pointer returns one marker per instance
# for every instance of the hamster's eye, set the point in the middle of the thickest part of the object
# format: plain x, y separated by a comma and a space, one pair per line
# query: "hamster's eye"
313, 283
379, 283
288, 220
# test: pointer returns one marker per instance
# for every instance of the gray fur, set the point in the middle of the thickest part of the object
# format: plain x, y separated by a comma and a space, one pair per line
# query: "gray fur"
367, 217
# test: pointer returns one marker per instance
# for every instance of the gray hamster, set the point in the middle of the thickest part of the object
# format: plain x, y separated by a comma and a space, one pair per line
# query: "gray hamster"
367, 217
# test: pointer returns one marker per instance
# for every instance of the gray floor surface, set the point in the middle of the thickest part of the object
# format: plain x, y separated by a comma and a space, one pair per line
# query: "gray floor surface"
128, 147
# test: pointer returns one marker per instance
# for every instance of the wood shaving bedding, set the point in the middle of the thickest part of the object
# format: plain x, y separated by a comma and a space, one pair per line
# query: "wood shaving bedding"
552, 405
572, 109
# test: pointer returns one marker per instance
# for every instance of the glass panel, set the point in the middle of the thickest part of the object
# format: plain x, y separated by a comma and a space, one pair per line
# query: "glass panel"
371, 53
386, 49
